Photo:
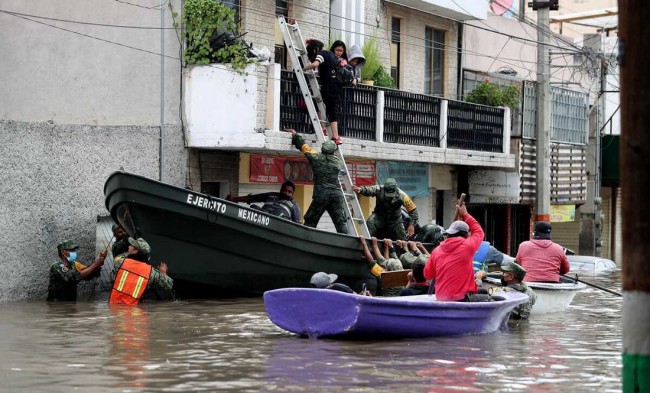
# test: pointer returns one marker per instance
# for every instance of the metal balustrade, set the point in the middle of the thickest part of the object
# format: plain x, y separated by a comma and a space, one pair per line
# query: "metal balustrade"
358, 113
474, 127
291, 115
411, 119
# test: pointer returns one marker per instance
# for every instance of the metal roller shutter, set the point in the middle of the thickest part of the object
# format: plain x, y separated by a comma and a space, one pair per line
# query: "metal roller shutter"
567, 234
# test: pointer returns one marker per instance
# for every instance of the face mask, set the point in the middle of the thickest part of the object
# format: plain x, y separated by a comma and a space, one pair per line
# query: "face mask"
73, 256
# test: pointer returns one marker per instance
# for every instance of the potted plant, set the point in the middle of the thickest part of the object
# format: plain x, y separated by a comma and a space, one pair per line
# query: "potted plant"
371, 53
373, 71
492, 94
212, 36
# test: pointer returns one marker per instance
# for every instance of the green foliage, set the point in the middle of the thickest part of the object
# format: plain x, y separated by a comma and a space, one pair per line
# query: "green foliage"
373, 62
383, 78
494, 95
203, 17
373, 69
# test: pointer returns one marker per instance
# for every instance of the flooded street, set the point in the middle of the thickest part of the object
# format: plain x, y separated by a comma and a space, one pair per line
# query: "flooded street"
232, 346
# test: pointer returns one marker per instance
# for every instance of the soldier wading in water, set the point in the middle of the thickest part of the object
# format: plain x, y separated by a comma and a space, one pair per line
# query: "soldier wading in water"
327, 191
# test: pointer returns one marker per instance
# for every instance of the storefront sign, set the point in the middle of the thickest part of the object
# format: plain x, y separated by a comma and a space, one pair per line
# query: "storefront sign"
491, 186
563, 213
411, 178
276, 169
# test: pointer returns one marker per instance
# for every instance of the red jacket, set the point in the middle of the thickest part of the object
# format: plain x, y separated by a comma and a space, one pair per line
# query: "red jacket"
543, 260
451, 265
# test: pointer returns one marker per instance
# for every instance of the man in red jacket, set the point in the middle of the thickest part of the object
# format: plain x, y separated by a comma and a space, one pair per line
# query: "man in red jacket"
450, 264
543, 260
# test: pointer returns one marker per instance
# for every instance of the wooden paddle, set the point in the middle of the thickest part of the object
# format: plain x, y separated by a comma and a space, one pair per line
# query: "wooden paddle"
460, 202
593, 285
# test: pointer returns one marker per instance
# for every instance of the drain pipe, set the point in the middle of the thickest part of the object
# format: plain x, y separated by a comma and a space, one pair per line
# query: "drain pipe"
162, 90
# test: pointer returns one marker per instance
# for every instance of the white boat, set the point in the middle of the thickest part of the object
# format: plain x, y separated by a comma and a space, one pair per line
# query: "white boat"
554, 297
584, 263
551, 297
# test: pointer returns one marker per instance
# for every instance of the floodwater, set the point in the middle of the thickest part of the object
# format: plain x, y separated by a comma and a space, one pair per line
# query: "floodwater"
232, 346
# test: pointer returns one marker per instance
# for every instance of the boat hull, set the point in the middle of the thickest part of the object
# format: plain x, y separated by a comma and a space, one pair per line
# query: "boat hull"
324, 313
215, 248
552, 297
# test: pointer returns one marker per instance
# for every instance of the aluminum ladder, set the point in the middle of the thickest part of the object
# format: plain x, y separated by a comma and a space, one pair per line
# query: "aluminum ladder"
299, 59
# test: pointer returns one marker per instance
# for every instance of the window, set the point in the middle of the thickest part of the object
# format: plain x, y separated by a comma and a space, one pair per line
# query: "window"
395, 50
281, 8
236, 5
434, 42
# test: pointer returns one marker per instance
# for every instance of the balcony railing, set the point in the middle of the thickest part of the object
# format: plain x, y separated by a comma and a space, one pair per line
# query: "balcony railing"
393, 116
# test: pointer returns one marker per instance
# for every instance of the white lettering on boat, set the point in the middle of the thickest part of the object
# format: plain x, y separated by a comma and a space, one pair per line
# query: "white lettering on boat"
206, 203
255, 217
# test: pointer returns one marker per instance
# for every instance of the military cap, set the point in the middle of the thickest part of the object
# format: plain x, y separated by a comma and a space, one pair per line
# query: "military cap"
390, 187
393, 264
140, 244
328, 147
67, 245
515, 269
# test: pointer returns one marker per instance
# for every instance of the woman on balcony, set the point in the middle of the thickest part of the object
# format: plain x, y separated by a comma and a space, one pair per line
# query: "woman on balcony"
327, 63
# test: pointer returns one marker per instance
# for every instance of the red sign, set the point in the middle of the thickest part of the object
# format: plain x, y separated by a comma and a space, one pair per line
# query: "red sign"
275, 170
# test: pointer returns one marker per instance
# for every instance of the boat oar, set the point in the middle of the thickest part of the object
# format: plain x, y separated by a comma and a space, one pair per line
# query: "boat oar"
459, 203
593, 285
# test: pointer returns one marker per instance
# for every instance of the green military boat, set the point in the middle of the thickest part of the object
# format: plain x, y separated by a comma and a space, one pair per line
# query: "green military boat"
219, 249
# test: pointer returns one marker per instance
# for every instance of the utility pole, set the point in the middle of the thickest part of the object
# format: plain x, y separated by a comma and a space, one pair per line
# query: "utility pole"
543, 135
634, 33
590, 222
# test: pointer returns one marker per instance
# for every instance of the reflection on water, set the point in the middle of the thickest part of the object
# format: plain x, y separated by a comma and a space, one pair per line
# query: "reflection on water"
232, 346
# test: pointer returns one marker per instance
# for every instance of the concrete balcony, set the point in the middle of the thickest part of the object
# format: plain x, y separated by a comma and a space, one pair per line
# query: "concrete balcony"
458, 10
228, 111
221, 107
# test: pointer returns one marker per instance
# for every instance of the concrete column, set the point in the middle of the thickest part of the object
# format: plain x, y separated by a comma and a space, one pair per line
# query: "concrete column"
634, 61
543, 153
507, 129
444, 105
273, 97
380, 116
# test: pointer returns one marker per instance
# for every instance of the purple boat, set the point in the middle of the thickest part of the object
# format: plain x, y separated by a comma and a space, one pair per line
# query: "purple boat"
324, 313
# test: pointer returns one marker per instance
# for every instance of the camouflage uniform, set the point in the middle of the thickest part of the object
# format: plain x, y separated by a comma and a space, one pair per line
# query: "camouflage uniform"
63, 282
386, 219
156, 279
408, 258
327, 190
120, 246
522, 311
431, 234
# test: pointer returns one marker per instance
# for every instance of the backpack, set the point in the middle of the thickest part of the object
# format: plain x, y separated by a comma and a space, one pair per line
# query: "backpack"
278, 207
344, 75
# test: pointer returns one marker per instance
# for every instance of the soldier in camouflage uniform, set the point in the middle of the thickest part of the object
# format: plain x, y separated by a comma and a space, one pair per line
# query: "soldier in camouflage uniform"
121, 244
386, 219
66, 272
412, 253
139, 250
327, 190
513, 274
431, 234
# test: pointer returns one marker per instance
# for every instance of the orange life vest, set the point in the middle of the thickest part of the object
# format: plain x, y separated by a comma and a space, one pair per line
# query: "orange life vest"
130, 283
